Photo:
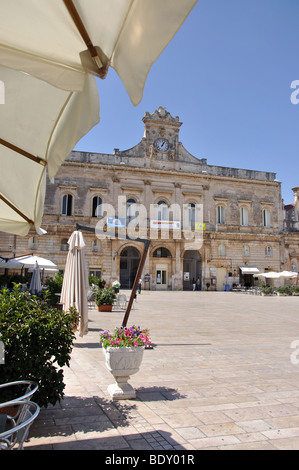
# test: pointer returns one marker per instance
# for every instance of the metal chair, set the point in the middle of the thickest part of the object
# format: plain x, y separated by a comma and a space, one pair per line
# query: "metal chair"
16, 432
91, 299
121, 301
29, 391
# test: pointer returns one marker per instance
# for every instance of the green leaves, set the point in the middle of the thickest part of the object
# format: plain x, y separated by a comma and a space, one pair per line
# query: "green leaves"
37, 341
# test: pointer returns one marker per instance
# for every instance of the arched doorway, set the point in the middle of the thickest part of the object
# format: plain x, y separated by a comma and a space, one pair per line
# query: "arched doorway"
129, 261
162, 267
191, 269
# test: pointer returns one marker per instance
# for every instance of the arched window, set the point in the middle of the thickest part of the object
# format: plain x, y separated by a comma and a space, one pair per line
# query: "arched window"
131, 209
246, 251
221, 250
244, 216
220, 215
162, 210
162, 252
268, 251
97, 207
96, 246
32, 243
64, 246
67, 204
191, 215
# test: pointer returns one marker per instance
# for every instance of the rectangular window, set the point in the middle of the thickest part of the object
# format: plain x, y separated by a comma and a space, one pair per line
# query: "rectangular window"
244, 216
220, 215
67, 204
266, 218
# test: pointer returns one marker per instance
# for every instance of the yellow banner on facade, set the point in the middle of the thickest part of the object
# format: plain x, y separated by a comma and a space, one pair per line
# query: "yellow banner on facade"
200, 226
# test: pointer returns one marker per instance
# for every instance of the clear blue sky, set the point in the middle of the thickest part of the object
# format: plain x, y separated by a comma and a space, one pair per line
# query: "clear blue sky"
227, 74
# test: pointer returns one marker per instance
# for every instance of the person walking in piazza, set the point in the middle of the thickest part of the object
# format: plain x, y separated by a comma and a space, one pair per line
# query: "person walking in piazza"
139, 286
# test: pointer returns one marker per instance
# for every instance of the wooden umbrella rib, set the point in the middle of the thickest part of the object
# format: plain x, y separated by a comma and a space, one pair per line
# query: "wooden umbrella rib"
23, 152
84, 34
80, 26
6, 201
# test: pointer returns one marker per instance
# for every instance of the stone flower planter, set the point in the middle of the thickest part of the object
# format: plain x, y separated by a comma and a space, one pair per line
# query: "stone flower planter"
122, 363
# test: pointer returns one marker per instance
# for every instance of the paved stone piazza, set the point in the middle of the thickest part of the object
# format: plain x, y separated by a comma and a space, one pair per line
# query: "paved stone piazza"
222, 375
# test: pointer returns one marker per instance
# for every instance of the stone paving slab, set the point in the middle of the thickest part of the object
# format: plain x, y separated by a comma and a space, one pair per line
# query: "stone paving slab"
220, 376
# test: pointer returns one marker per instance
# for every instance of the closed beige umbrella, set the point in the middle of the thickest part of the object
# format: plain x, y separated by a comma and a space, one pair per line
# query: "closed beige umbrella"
35, 284
75, 281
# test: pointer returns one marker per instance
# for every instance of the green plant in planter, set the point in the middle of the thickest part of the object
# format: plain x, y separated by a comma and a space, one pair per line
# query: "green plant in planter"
105, 296
101, 283
37, 343
268, 290
281, 290
295, 289
287, 290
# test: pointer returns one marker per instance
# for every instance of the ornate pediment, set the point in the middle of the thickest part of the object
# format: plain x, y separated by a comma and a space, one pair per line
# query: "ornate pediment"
161, 115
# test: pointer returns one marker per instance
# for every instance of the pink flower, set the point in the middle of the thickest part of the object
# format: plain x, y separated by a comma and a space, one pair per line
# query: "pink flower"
135, 343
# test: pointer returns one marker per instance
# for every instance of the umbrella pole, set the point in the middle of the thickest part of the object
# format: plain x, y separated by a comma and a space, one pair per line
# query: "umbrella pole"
135, 284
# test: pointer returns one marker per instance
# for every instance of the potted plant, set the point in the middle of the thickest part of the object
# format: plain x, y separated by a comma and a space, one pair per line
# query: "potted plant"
268, 290
295, 290
116, 286
123, 350
105, 299
101, 283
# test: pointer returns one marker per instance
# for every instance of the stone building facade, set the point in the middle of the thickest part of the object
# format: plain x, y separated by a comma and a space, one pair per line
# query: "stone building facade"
221, 225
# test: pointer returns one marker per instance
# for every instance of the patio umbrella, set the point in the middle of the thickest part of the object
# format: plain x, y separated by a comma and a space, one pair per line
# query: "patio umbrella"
288, 274
75, 281
35, 284
269, 275
66, 43
59, 41
30, 261
6, 263
40, 124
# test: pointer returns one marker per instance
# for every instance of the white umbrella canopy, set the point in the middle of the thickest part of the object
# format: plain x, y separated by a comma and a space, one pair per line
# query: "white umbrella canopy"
60, 40
277, 275
6, 263
30, 261
288, 274
35, 284
75, 281
269, 275
40, 124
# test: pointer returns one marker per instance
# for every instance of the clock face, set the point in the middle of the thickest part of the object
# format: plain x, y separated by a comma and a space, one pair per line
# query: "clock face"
162, 145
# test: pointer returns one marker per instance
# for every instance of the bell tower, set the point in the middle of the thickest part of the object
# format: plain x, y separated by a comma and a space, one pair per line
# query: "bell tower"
161, 134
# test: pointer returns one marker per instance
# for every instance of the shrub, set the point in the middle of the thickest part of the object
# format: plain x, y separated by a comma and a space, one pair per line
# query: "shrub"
37, 343
285, 290
268, 290
105, 296
53, 286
